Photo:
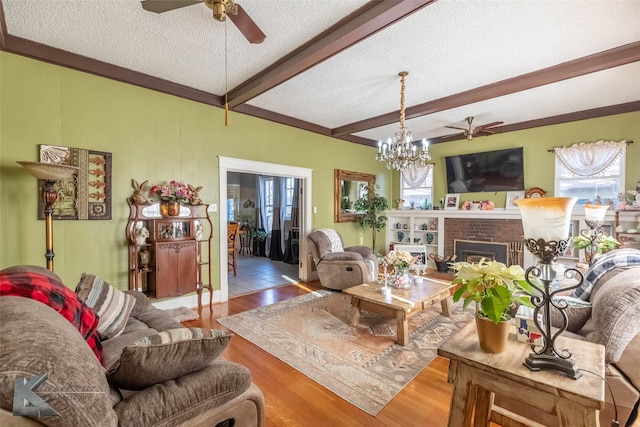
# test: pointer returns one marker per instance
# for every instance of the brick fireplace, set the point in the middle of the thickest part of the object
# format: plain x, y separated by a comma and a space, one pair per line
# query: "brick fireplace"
482, 230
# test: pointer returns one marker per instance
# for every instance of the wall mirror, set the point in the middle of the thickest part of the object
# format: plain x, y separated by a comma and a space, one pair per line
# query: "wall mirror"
347, 188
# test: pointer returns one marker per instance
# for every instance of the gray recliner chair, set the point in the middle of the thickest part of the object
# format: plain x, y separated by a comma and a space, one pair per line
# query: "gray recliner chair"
339, 267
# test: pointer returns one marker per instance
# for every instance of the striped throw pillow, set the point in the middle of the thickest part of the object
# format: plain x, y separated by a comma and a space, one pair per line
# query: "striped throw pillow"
112, 305
165, 356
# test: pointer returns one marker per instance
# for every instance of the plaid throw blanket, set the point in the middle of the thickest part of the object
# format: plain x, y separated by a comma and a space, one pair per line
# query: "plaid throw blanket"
618, 258
27, 281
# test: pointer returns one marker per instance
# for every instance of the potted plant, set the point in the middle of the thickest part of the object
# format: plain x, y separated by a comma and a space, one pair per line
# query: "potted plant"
372, 205
496, 289
259, 242
602, 245
246, 221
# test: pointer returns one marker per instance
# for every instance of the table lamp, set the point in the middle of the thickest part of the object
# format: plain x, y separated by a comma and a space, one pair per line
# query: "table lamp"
49, 174
546, 223
594, 218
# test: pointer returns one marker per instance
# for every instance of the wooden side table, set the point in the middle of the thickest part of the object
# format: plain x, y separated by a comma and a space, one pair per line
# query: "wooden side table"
477, 376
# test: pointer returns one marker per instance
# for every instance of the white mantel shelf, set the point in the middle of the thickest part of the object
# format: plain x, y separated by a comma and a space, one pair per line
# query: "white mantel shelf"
576, 215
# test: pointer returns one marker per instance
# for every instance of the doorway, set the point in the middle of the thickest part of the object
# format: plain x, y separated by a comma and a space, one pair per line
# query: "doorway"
227, 164
268, 205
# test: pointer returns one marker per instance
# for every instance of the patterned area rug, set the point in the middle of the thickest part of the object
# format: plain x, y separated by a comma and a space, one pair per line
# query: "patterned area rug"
363, 365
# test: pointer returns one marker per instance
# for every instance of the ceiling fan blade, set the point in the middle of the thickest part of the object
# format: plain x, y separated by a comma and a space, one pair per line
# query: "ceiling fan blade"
160, 6
489, 125
483, 132
247, 27
455, 127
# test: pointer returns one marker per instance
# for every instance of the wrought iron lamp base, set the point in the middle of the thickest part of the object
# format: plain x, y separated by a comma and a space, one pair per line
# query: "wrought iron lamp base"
536, 362
547, 356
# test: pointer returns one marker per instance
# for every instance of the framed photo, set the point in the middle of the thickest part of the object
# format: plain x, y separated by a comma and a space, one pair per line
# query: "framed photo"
452, 201
512, 196
606, 229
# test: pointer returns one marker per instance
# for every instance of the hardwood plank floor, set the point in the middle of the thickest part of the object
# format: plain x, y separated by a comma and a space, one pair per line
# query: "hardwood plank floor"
292, 399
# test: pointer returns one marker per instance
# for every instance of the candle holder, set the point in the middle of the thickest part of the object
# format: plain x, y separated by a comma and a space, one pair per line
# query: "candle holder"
546, 228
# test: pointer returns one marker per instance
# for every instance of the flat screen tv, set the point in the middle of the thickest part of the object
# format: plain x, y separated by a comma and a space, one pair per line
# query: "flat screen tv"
500, 170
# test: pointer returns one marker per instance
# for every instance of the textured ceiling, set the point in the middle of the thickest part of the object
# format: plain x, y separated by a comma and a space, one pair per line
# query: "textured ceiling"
448, 47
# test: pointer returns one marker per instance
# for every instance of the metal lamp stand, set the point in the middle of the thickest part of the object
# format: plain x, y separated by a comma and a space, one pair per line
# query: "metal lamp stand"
548, 356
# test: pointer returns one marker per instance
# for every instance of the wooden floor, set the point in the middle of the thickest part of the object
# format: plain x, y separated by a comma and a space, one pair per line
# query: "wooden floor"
292, 399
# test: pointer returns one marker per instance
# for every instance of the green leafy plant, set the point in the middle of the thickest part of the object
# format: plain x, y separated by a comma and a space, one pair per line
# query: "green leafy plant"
372, 205
604, 244
259, 234
494, 287
246, 220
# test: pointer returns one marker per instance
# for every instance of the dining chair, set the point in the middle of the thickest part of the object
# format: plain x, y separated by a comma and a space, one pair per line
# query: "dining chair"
232, 234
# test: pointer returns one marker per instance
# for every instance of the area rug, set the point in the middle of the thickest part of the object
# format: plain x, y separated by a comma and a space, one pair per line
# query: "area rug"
363, 365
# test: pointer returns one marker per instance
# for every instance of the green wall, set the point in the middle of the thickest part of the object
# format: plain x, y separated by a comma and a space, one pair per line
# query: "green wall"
160, 137
539, 162
152, 136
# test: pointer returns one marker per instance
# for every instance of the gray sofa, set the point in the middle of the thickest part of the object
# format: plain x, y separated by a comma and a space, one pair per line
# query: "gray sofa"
148, 375
612, 286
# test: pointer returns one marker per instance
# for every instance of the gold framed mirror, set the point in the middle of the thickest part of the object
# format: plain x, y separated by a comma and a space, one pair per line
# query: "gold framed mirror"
348, 186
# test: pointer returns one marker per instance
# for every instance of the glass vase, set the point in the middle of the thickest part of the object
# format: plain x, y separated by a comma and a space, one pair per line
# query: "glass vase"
402, 278
169, 208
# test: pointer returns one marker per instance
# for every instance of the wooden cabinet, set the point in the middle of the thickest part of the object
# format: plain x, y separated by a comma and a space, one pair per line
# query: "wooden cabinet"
173, 257
175, 268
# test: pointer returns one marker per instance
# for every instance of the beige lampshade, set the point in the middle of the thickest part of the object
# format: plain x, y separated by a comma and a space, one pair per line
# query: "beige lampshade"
546, 218
49, 171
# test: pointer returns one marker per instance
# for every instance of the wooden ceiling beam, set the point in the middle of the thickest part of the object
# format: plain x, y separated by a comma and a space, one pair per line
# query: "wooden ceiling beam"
364, 22
615, 57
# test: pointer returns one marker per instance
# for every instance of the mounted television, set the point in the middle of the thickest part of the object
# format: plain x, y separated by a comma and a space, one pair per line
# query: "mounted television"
500, 170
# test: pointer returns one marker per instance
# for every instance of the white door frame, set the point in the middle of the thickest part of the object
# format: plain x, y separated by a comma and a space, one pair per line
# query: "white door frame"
229, 164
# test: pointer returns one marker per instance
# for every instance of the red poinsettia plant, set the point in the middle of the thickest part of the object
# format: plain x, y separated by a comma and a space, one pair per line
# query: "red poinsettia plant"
174, 191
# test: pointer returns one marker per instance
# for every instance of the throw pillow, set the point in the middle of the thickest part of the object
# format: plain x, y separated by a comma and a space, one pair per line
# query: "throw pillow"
112, 305
42, 285
167, 355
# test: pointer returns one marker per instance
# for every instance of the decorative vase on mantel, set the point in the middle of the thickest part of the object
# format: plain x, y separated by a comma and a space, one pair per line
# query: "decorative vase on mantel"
493, 336
169, 208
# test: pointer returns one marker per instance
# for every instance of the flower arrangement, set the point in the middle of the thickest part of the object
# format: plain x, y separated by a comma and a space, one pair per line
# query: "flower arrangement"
401, 260
174, 191
494, 287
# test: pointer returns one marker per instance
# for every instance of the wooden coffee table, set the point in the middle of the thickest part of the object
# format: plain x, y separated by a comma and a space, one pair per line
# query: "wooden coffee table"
401, 303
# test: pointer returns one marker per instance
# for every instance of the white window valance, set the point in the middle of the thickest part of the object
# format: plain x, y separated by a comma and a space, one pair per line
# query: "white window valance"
416, 176
589, 158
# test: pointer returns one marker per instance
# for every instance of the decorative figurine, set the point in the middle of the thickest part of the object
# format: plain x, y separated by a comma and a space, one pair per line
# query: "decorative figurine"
138, 190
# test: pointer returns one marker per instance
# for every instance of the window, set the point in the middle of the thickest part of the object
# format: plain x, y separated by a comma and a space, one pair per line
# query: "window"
288, 195
267, 191
606, 185
420, 195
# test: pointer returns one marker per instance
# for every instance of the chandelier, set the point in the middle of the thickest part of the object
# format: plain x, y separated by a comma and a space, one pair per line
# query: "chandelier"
399, 152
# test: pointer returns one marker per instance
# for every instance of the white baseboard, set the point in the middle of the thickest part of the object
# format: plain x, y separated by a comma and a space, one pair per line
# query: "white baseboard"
190, 301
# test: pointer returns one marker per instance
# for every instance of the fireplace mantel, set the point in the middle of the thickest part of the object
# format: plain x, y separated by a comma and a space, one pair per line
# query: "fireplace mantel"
411, 223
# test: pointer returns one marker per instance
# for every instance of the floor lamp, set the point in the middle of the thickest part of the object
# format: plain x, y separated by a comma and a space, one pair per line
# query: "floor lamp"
49, 174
